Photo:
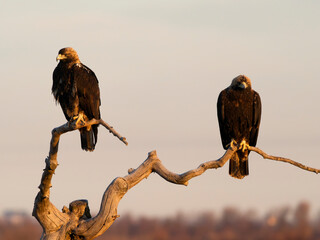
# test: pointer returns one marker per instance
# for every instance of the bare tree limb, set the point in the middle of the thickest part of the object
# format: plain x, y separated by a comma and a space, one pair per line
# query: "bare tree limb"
76, 222
281, 159
107, 126
94, 227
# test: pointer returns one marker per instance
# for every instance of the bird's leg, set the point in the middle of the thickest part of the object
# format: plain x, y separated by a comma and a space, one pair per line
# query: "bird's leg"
233, 143
243, 145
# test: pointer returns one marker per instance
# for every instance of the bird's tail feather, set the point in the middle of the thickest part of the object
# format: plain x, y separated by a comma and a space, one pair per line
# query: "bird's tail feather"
88, 138
95, 133
239, 165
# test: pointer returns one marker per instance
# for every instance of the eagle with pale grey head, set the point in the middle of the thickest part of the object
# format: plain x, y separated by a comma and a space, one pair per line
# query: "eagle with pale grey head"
76, 88
239, 115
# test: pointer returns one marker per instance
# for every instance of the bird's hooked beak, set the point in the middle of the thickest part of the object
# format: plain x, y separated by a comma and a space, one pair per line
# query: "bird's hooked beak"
243, 85
60, 57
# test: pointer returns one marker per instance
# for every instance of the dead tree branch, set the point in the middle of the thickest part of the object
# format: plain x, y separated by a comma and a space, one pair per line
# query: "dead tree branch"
107, 126
76, 222
281, 159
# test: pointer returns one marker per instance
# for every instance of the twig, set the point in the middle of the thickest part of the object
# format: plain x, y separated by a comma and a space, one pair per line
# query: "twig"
281, 159
107, 126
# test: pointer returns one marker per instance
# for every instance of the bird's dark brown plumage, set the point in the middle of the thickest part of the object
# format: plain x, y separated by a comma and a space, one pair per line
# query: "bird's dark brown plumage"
76, 88
239, 115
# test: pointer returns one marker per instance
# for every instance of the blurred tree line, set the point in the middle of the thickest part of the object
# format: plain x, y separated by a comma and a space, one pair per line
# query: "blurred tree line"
281, 224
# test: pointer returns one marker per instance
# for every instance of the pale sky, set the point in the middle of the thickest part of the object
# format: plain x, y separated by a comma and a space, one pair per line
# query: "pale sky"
161, 66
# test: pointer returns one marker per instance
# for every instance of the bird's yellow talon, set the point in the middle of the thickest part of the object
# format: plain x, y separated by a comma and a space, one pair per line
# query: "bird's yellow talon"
243, 145
80, 119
